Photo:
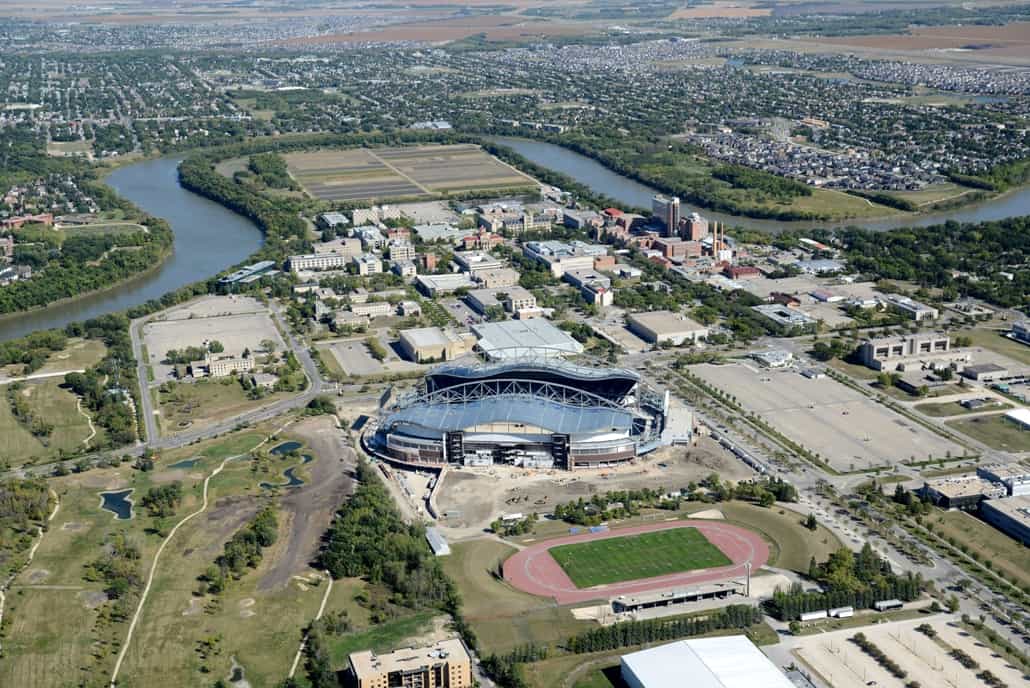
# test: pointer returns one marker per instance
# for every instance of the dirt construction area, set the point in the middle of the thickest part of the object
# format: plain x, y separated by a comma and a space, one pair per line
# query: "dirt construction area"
237, 322
845, 428
842, 664
468, 499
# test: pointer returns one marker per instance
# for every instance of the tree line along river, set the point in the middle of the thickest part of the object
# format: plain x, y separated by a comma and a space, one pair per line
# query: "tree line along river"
210, 238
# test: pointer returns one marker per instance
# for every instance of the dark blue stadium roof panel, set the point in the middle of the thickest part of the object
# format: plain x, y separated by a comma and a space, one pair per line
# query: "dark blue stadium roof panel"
610, 383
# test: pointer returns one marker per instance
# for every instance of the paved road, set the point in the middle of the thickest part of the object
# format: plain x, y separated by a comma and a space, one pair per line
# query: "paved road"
150, 428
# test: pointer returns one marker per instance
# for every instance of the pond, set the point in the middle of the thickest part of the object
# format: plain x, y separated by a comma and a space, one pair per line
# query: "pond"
118, 503
286, 448
290, 474
185, 463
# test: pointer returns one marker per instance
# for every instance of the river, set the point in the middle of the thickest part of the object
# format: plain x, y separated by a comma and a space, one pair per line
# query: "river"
208, 239
591, 173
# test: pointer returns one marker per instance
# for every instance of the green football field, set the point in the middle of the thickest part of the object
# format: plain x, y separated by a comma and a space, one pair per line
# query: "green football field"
618, 559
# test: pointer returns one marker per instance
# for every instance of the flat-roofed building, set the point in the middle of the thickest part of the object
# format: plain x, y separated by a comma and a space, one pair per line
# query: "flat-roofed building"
658, 327
371, 238
475, 262
221, 366
401, 250
512, 299
786, 317
425, 344
1014, 476
332, 220
344, 246
1010, 515
317, 261
1019, 416
911, 308
518, 338
899, 353
368, 264
435, 285
965, 492
501, 277
984, 372
726, 662
443, 665
404, 268
592, 285
696, 227
373, 309
561, 257
1021, 331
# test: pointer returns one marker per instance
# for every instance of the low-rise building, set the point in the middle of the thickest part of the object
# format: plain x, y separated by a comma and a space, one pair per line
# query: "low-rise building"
1021, 331
1014, 476
368, 264
6, 248
899, 353
783, 316
517, 338
658, 327
401, 250
344, 246
501, 277
911, 308
435, 285
475, 262
404, 268
559, 256
409, 308
430, 344
819, 266
592, 285
373, 309
742, 272
443, 665
332, 220
727, 662
317, 261
984, 372
774, 358
964, 493
371, 238
512, 299
220, 366
1011, 516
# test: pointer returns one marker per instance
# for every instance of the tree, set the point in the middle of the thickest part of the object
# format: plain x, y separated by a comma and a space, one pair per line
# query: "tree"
268, 345
794, 627
215, 346
810, 522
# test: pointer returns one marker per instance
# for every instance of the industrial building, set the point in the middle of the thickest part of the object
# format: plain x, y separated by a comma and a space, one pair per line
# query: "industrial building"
964, 493
519, 338
1021, 331
1019, 416
1010, 515
727, 662
899, 353
532, 411
1015, 477
426, 344
658, 327
443, 665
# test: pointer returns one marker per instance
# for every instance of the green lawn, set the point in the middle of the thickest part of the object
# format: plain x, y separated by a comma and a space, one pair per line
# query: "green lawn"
995, 431
631, 557
1006, 554
953, 408
996, 341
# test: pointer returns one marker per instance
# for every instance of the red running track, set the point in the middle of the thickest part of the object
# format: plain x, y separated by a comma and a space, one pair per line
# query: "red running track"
535, 571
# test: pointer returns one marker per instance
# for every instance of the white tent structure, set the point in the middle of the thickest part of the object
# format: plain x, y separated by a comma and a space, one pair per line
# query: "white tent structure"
727, 662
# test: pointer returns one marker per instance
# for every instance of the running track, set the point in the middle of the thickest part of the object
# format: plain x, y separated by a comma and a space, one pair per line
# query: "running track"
535, 571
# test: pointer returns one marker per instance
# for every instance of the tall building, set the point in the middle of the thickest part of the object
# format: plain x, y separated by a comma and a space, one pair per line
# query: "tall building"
668, 211
444, 665
696, 228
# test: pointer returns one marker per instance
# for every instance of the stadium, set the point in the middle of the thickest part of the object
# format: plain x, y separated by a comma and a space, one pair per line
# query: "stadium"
531, 409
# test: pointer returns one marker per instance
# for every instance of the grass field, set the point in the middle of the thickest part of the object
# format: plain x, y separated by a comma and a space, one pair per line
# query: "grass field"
632, 557
953, 408
77, 354
995, 431
997, 342
205, 402
103, 228
1006, 554
791, 545
48, 400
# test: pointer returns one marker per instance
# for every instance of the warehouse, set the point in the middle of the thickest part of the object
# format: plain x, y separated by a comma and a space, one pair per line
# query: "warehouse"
658, 327
729, 662
425, 344
1011, 516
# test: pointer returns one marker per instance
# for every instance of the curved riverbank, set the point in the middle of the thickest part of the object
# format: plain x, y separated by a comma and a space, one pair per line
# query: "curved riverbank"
207, 239
591, 173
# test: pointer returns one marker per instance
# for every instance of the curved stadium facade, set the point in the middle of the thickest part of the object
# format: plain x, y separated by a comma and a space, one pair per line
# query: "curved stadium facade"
535, 411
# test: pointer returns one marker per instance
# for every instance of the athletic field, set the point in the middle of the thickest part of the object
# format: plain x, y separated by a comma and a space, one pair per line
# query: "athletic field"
617, 559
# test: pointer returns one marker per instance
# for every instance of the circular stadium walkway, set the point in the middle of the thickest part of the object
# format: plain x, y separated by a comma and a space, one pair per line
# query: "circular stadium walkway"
535, 571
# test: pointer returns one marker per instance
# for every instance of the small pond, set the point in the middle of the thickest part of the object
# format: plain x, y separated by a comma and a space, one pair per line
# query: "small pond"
286, 448
118, 503
290, 474
185, 463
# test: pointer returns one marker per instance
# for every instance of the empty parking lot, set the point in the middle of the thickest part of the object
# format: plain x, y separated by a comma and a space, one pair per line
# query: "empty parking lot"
847, 429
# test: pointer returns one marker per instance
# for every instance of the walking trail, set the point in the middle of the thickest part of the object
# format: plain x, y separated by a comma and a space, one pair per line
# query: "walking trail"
160, 550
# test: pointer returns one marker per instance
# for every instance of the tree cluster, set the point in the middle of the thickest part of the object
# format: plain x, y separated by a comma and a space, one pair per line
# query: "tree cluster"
630, 633
162, 501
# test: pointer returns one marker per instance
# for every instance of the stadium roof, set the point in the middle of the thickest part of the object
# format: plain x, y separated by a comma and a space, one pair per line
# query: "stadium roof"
472, 367
519, 338
542, 413
728, 662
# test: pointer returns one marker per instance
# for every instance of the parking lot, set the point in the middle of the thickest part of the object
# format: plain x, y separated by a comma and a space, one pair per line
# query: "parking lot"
845, 428
843, 664
237, 322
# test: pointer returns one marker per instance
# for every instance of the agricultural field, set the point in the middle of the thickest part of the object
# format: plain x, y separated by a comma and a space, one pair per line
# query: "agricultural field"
633, 557
410, 171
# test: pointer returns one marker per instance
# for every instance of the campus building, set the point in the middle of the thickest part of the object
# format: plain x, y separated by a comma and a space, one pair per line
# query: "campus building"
667, 210
728, 662
658, 327
443, 665
434, 344
964, 493
899, 353
1010, 515
318, 261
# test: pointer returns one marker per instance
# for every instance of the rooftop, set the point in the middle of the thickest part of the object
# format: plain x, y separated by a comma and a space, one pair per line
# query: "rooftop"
665, 322
366, 663
1016, 508
430, 336
513, 338
727, 662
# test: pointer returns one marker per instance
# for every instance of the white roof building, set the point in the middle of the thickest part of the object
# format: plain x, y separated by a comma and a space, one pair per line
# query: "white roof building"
1020, 417
728, 662
517, 338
